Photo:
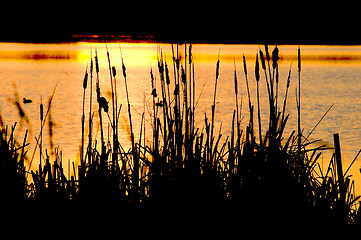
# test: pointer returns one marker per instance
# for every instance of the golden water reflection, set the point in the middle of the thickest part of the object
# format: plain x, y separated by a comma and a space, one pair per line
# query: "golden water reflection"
330, 75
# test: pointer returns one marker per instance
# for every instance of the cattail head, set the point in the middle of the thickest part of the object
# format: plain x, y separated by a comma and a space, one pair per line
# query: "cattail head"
184, 78
235, 80
167, 74
190, 54
98, 91
177, 63
85, 81
176, 90
256, 69
267, 52
152, 77
91, 67
289, 77
244, 65
124, 70
299, 59
217, 68
114, 71
262, 59
275, 57
41, 110
96, 62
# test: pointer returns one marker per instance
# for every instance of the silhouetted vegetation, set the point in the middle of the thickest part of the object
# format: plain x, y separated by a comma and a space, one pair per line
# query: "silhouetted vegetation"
258, 172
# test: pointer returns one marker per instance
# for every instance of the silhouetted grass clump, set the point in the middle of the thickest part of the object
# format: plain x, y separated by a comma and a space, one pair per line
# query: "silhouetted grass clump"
13, 181
257, 171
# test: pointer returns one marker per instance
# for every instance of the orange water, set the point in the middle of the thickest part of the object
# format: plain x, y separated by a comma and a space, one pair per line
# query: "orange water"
330, 75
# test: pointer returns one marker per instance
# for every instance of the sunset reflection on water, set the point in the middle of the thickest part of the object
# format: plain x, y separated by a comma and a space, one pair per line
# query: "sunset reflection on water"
330, 75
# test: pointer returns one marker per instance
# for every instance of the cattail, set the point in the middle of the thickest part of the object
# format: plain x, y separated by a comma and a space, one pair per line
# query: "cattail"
114, 71
167, 74
235, 80
96, 62
98, 91
244, 65
177, 63
41, 110
190, 54
41, 127
91, 67
217, 68
160, 65
256, 69
152, 77
267, 53
51, 130
289, 77
85, 81
184, 78
299, 59
262, 59
124, 69
275, 57
176, 90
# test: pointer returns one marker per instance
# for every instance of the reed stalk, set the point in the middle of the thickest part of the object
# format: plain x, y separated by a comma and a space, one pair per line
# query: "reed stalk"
258, 101
85, 83
41, 130
186, 166
90, 110
101, 102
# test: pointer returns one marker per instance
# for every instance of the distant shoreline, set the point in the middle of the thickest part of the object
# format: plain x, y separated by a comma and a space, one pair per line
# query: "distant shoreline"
170, 39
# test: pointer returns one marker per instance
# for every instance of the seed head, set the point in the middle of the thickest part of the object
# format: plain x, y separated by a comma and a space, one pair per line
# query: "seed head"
114, 70
217, 68
267, 53
41, 111
184, 78
235, 82
256, 70
85, 81
275, 57
190, 54
124, 70
299, 59
167, 74
152, 77
96, 62
244, 65
176, 90
262, 59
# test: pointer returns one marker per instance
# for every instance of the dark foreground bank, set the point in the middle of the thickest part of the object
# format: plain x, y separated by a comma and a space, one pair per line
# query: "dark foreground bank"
258, 173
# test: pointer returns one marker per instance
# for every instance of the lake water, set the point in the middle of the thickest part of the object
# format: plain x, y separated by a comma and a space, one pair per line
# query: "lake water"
330, 75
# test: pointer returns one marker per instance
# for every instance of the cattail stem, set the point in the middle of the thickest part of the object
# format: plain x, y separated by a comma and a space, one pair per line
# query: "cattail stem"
41, 128
99, 102
134, 153
85, 81
258, 102
90, 109
114, 124
236, 94
213, 108
299, 104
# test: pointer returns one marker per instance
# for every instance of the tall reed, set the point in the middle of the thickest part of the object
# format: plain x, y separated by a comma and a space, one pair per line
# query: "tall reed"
276, 177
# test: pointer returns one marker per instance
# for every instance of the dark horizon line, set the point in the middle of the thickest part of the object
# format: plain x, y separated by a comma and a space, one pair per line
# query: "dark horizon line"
175, 38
